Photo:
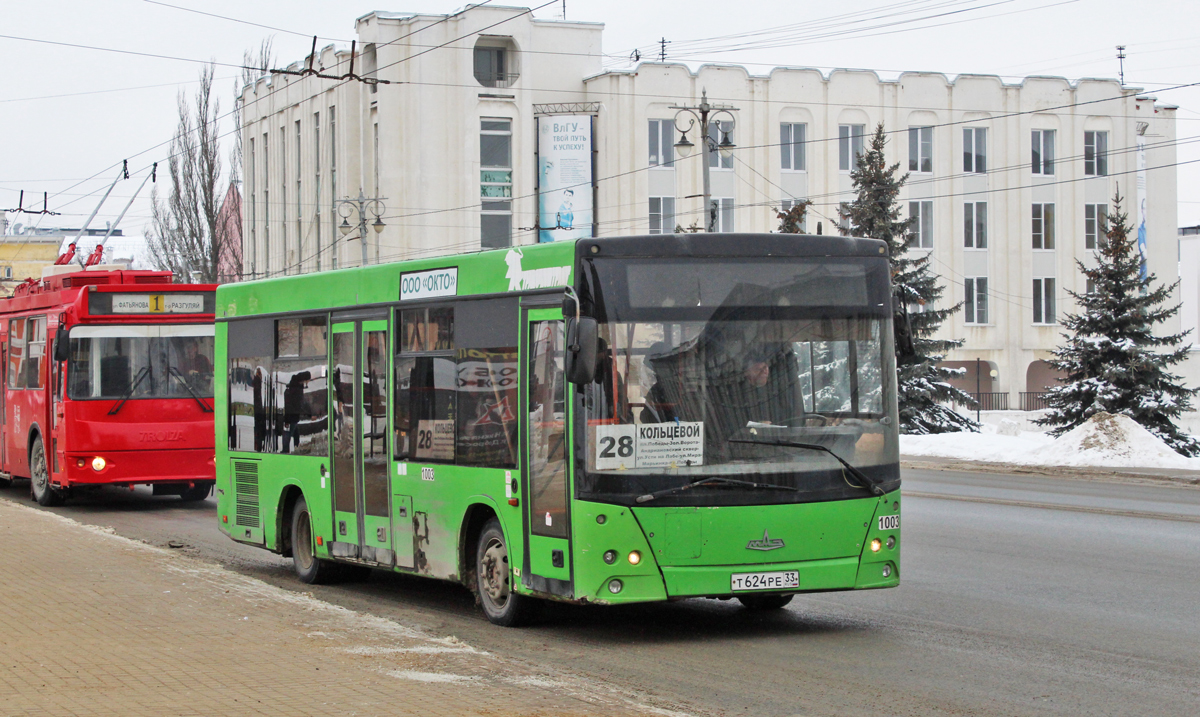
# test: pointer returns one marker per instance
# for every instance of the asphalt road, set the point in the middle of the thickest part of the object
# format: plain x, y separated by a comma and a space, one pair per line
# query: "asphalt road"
1020, 595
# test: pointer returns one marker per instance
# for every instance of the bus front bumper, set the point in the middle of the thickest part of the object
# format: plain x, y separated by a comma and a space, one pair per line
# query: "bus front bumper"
180, 465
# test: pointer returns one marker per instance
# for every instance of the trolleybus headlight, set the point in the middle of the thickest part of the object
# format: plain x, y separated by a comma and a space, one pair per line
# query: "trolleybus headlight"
887, 571
80, 463
891, 542
98, 463
614, 586
876, 544
634, 557
610, 556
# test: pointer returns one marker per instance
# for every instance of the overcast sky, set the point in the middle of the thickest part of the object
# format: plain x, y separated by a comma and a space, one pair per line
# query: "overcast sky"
69, 115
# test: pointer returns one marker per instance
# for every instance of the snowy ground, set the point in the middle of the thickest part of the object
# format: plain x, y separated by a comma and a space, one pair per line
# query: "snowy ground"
1108, 442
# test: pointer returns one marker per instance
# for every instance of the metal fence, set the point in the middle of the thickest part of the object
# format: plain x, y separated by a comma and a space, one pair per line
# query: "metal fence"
991, 401
1034, 400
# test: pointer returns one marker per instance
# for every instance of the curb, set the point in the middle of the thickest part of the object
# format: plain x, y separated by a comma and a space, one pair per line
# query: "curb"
1115, 475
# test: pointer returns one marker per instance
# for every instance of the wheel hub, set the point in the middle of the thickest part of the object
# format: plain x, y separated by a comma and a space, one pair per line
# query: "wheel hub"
494, 568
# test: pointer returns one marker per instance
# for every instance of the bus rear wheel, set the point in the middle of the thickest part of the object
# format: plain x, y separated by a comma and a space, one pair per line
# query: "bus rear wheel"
493, 578
309, 568
197, 492
764, 602
39, 477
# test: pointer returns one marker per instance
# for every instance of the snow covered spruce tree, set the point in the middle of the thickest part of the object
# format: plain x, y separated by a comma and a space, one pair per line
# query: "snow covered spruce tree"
922, 387
1112, 360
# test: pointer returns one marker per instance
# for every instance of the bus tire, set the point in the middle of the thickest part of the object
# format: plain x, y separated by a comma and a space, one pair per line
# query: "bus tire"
309, 568
5, 482
493, 578
764, 602
39, 477
197, 492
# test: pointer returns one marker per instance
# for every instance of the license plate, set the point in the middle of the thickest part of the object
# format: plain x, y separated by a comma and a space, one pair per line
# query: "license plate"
765, 581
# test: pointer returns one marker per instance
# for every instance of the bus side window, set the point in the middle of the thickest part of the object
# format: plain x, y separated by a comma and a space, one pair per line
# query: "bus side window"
251, 407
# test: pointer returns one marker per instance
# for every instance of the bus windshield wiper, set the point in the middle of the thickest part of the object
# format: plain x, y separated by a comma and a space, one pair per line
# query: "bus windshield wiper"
175, 372
714, 480
861, 477
142, 373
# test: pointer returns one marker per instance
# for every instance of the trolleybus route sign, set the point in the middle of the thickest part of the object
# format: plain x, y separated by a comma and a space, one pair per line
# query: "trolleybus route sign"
158, 303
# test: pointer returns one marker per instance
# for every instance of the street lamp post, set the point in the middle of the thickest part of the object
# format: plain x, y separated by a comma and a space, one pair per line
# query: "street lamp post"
361, 205
684, 148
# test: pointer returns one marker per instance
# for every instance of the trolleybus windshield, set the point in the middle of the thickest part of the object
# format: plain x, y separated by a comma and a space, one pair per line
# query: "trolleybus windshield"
712, 367
140, 361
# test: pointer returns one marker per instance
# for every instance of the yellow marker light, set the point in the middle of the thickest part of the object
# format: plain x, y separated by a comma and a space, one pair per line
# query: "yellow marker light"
98, 463
634, 557
876, 544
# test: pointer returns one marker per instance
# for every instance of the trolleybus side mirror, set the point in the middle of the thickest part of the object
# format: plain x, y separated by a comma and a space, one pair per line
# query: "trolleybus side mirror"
62, 345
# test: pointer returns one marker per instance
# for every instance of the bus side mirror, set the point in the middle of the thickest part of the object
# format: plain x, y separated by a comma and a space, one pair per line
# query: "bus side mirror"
62, 345
583, 339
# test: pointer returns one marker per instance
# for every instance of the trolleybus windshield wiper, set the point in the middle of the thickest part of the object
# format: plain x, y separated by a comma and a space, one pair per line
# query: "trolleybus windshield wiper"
175, 372
861, 477
714, 480
142, 373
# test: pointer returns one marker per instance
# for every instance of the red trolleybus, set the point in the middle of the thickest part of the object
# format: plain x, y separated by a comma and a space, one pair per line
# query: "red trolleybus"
107, 380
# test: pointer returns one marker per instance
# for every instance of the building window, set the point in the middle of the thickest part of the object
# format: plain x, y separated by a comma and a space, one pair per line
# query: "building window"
717, 135
920, 232
1043, 301
1095, 154
1043, 151
722, 209
1091, 286
1043, 226
975, 150
787, 207
975, 225
495, 182
283, 194
1095, 225
662, 215
6, 272
492, 67
920, 149
317, 184
299, 199
333, 217
976, 304
662, 143
251, 181
791, 146
850, 145
266, 184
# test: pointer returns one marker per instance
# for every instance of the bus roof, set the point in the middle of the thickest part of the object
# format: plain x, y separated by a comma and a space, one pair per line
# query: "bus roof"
500, 271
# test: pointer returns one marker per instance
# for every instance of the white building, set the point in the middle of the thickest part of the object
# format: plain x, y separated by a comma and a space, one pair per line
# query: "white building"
1007, 179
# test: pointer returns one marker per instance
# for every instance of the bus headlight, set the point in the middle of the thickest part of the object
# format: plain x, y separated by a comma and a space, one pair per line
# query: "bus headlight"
634, 557
887, 571
891, 542
614, 586
876, 544
98, 463
610, 556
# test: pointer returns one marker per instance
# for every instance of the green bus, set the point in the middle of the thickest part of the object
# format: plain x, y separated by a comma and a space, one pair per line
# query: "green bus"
608, 421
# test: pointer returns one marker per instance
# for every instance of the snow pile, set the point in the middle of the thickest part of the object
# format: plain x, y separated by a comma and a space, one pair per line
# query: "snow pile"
1111, 440
1104, 441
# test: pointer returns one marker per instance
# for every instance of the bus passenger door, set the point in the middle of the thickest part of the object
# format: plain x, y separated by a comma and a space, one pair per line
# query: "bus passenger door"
546, 488
358, 373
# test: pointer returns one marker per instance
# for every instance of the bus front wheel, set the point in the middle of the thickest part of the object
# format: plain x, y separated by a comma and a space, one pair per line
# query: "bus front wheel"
309, 568
493, 579
197, 492
39, 477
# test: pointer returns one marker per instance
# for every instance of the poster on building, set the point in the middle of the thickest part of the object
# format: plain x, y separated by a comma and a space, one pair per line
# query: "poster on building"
564, 177
1141, 199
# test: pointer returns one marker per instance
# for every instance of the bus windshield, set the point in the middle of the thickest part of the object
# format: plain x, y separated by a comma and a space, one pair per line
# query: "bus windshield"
140, 361
740, 371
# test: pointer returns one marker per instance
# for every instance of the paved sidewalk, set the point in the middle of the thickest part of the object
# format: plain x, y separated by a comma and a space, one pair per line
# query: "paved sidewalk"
95, 624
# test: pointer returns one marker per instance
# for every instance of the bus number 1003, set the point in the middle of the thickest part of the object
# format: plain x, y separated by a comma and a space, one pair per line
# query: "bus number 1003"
889, 522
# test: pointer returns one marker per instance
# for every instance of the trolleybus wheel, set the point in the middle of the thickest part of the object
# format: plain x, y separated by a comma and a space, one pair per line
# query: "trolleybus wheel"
493, 578
764, 602
39, 477
197, 492
309, 568
5, 482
